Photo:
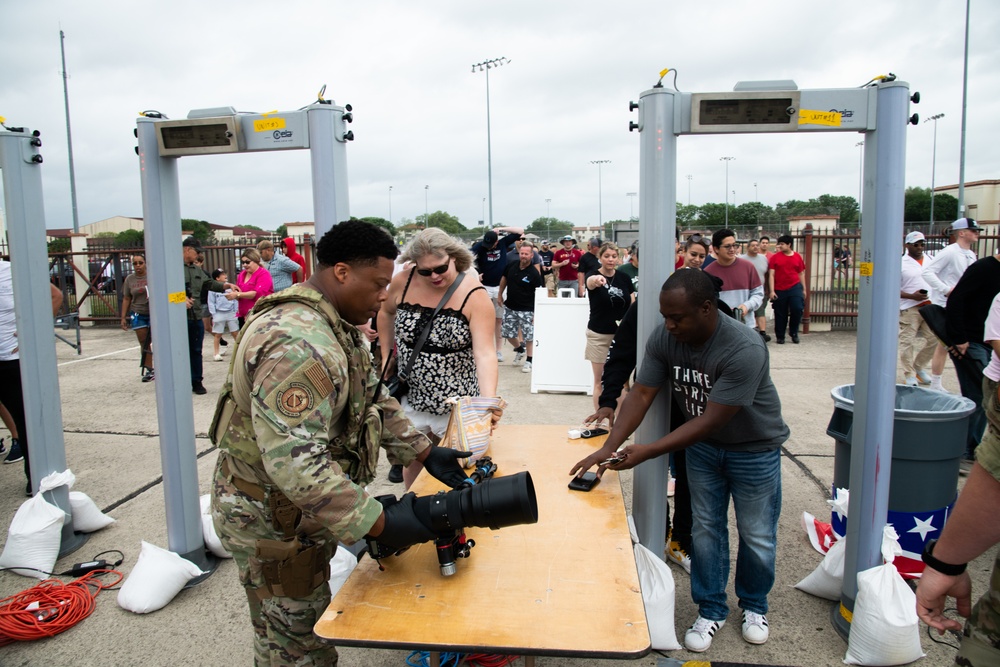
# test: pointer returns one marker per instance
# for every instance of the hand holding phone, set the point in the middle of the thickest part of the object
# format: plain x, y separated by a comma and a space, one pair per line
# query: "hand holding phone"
585, 482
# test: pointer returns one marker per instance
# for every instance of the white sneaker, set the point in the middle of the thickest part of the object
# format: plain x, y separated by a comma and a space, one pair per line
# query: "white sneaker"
218, 357
518, 356
910, 381
923, 377
754, 627
499, 355
675, 553
526, 368
698, 638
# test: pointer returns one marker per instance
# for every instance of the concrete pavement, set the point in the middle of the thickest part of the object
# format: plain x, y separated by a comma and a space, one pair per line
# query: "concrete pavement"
112, 447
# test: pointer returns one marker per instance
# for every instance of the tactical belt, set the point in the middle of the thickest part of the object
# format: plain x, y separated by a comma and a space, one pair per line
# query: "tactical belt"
284, 513
293, 567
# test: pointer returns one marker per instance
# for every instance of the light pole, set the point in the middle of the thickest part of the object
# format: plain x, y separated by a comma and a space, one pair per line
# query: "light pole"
390, 203
689, 188
934, 118
631, 200
861, 177
484, 211
548, 219
427, 217
727, 160
755, 199
488, 65
600, 213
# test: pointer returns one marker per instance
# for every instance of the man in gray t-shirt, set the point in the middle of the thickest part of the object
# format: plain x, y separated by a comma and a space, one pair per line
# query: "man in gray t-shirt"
719, 373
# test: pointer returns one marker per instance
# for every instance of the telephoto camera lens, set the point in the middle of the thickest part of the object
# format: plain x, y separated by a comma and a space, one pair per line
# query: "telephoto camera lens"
493, 503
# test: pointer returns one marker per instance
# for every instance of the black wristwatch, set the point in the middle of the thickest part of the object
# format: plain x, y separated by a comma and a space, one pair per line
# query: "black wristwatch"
944, 568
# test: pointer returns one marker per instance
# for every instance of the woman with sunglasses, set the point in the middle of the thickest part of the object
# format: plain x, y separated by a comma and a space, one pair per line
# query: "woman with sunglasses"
695, 252
254, 283
135, 311
459, 355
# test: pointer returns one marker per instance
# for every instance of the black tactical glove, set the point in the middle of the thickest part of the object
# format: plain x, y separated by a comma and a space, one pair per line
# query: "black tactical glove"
442, 462
406, 523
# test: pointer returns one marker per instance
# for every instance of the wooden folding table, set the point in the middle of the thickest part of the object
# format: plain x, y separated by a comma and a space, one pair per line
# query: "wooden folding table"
565, 586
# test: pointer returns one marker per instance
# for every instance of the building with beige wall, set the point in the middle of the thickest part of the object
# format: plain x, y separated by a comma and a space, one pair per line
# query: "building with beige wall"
982, 199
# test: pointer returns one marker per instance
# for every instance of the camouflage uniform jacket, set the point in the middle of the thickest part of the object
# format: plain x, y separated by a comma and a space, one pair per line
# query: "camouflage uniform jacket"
195, 279
301, 414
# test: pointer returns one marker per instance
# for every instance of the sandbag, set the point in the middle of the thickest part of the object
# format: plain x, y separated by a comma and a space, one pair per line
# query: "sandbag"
884, 629
827, 580
341, 566
657, 583
34, 537
208, 533
157, 577
87, 516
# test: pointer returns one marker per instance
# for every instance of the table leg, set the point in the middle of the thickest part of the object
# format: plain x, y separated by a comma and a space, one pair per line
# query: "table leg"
435, 659
529, 661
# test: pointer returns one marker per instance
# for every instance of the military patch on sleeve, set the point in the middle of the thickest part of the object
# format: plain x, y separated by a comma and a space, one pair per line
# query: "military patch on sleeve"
319, 378
295, 399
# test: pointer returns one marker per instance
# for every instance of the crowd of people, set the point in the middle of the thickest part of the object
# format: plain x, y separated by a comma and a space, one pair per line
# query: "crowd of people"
305, 408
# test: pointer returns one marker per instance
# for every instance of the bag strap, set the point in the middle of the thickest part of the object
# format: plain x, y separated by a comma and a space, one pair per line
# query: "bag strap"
423, 334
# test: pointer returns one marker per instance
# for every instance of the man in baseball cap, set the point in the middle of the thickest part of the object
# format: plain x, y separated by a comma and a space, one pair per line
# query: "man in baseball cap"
965, 223
192, 242
916, 340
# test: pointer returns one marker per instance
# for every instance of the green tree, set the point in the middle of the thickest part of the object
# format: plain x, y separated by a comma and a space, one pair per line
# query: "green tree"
549, 227
845, 207
199, 229
381, 222
255, 227
750, 213
130, 238
445, 221
917, 206
105, 235
281, 232
686, 214
712, 216
59, 245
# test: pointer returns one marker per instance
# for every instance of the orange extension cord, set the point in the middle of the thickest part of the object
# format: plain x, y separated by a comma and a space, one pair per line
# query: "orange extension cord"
59, 607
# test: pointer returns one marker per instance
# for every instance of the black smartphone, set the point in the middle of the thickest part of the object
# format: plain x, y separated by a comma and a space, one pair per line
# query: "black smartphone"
593, 432
585, 483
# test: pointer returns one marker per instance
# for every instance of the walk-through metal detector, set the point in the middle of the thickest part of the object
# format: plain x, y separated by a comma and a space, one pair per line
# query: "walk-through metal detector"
319, 127
21, 164
880, 111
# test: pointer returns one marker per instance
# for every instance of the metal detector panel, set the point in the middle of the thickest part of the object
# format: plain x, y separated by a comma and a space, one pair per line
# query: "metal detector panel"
770, 111
197, 136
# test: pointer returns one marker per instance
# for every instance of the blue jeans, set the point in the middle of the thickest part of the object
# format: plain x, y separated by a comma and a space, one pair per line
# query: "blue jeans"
970, 378
753, 479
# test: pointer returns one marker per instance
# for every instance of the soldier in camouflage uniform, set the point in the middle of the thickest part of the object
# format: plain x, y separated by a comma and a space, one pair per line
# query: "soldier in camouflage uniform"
972, 528
299, 428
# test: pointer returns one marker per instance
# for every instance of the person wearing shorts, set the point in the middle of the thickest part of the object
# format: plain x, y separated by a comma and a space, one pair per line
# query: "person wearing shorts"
135, 313
610, 293
223, 312
520, 280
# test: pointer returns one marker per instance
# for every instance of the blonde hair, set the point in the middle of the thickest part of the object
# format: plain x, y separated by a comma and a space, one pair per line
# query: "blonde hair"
251, 254
435, 241
264, 245
609, 246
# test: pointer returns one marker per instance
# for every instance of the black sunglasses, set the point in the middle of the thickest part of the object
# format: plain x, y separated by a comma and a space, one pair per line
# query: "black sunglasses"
695, 238
244, 262
440, 270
